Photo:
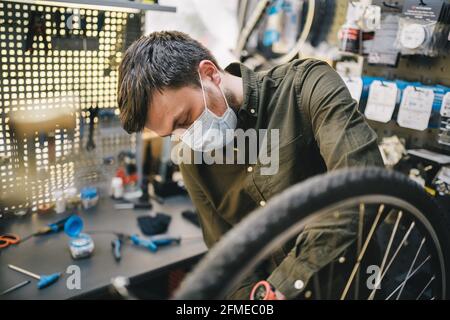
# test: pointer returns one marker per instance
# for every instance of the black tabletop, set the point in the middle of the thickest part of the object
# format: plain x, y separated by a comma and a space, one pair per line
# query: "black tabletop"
50, 253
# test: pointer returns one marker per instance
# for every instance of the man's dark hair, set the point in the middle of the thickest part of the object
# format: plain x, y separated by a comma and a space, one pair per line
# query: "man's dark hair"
167, 59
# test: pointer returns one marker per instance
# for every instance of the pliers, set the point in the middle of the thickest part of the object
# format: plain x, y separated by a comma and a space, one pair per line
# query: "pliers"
151, 244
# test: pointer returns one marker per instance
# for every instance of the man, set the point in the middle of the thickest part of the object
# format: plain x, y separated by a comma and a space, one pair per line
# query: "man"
171, 84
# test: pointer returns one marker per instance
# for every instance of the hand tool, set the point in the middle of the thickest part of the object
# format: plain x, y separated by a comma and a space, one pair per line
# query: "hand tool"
36, 28
93, 113
14, 288
50, 228
8, 239
152, 243
117, 247
130, 205
44, 280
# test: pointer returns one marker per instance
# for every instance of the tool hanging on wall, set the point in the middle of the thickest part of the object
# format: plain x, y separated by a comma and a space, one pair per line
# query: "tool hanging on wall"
36, 28
57, 19
93, 113
100, 20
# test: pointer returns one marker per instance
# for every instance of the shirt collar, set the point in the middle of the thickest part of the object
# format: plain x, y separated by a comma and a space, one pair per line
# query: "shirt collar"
250, 82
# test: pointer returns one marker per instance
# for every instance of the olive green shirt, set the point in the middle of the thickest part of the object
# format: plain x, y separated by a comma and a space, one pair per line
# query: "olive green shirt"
320, 129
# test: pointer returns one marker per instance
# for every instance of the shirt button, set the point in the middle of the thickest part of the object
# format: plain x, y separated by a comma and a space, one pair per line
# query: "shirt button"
262, 203
250, 169
252, 110
299, 284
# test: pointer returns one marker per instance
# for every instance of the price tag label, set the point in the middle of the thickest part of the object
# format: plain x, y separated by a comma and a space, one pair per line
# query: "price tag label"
355, 86
381, 101
415, 108
445, 108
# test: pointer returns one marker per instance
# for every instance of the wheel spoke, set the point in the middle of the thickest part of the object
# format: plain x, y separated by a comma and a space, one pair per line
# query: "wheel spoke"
409, 277
386, 254
426, 287
411, 267
405, 237
363, 250
359, 245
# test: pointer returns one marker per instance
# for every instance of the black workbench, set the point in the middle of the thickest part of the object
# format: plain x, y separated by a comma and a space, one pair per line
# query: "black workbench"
50, 253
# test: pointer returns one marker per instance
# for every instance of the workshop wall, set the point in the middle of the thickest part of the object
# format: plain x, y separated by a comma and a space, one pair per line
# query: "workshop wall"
413, 68
57, 77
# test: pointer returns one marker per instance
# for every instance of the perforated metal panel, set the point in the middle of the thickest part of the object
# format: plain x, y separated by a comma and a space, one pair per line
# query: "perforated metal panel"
48, 83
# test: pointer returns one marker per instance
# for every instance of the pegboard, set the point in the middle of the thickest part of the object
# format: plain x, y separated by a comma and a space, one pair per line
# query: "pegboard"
427, 70
58, 64
415, 68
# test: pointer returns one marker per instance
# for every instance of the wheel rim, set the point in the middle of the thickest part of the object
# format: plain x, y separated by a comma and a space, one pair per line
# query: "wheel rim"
400, 205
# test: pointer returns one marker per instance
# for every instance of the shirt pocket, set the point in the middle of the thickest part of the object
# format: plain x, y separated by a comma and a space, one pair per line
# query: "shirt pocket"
288, 169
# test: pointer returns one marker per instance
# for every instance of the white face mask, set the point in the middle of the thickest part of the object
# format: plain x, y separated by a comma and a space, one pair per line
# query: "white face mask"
210, 132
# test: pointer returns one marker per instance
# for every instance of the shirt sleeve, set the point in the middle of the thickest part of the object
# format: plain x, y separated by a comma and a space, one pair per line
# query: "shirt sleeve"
343, 136
344, 139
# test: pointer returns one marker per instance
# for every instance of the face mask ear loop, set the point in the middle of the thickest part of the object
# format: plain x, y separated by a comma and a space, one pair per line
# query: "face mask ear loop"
224, 98
203, 89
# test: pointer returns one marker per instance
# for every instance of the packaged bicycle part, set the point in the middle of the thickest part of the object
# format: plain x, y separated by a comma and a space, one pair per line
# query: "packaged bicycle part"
383, 50
415, 108
422, 28
381, 101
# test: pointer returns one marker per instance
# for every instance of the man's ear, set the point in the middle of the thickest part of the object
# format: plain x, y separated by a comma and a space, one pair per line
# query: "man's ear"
208, 70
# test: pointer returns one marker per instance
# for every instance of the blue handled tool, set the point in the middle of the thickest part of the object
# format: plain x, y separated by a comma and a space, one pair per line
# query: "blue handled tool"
153, 243
50, 228
117, 247
44, 280
149, 244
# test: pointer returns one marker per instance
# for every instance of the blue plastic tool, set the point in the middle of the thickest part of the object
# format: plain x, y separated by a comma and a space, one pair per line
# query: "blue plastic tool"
44, 280
81, 245
149, 244
154, 243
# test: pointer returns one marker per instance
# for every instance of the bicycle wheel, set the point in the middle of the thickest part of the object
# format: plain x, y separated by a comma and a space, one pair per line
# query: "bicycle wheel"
408, 227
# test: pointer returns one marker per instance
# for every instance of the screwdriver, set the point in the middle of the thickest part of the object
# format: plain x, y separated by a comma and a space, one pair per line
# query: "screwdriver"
126, 206
16, 287
44, 280
50, 228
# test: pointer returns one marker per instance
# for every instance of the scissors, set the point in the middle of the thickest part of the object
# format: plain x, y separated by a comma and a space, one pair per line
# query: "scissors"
8, 239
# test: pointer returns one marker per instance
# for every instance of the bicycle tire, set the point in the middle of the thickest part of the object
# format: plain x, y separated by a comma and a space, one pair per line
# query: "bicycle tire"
211, 277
